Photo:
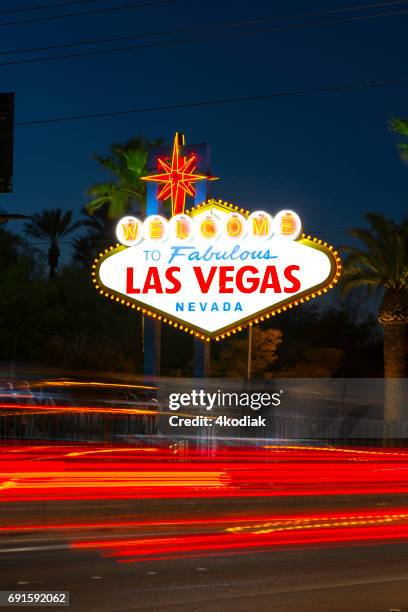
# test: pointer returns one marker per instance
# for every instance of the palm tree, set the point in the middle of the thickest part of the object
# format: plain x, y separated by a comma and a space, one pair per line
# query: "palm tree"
98, 236
125, 190
98, 224
382, 263
51, 226
400, 127
84, 251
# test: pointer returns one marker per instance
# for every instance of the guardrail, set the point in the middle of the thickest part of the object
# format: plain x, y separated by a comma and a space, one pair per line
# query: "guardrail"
76, 427
114, 428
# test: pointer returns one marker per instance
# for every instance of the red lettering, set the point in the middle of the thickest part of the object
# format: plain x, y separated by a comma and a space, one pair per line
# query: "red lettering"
204, 284
253, 281
271, 280
129, 282
152, 281
173, 280
226, 278
295, 281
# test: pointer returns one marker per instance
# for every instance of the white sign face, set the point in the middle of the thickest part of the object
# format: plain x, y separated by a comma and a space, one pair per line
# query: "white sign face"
216, 270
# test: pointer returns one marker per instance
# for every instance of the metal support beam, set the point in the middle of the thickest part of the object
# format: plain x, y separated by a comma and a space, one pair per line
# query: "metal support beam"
152, 347
202, 358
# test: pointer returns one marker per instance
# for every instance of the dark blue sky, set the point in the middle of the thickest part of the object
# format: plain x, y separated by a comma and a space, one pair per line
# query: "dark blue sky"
329, 156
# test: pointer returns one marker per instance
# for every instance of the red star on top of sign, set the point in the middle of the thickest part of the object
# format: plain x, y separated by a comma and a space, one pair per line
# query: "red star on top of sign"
177, 177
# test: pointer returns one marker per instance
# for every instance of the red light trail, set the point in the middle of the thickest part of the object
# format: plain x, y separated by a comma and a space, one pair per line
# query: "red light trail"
38, 409
56, 473
274, 532
99, 472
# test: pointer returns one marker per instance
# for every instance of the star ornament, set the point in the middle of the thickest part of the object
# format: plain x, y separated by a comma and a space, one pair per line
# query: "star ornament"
177, 177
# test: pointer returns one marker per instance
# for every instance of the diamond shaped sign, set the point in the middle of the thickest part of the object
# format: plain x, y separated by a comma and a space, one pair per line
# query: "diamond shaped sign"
216, 269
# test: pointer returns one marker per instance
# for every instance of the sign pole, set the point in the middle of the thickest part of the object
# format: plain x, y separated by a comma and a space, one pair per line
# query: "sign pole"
249, 363
202, 358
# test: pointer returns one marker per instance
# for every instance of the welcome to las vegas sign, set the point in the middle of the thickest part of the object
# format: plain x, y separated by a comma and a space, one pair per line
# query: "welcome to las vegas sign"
214, 269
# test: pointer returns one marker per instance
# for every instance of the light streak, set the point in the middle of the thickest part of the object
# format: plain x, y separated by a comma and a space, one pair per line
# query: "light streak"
91, 384
102, 472
76, 409
284, 531
52, 472
110, 450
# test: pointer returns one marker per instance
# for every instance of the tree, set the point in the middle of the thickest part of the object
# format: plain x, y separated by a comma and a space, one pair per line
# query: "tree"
383, 263
27, 315
232, 361
51, 226
400, 127
98, 236
91, 334
124, 191
316, 362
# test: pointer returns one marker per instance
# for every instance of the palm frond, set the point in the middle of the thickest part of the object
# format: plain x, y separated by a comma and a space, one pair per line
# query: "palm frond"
357, 259
51, 225
100, 189
97, 203
111, 164
136, 161
403, 150
119, 205
84, 250
31, 229
126, 164
357, 279
399, 125
382, 261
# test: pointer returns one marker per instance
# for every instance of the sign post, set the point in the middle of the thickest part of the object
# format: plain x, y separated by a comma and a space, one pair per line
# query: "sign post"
249, 362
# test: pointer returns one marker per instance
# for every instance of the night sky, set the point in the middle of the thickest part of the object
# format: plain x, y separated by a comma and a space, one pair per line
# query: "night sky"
329, 156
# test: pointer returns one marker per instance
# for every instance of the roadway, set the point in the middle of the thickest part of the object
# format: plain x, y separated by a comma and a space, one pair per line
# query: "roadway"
274, 528
371, 578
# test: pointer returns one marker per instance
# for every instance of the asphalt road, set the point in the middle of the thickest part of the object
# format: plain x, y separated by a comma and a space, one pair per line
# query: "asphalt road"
45, 513
97, 548
368, 578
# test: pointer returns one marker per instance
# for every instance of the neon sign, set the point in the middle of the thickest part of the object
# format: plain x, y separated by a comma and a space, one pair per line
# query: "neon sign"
214, 269
177, 177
